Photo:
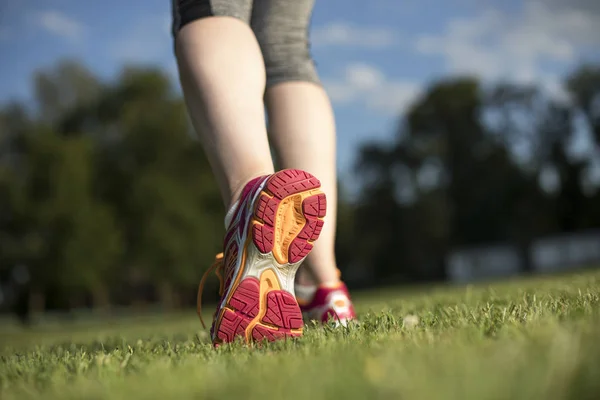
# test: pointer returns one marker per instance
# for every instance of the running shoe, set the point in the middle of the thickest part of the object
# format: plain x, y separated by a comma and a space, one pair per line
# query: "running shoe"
273, 227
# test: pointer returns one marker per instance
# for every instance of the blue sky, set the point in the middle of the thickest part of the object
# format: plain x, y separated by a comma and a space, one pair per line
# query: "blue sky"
374, 56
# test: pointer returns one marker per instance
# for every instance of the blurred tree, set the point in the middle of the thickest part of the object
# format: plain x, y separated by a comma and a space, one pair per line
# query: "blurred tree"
584, 86
345, 234
66, 86
449, 180
154, 177
109, 183
541, 128
64, 235
92, 244
173, 208
103, 182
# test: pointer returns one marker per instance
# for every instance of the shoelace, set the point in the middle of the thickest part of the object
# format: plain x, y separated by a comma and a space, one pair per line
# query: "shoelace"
217, 268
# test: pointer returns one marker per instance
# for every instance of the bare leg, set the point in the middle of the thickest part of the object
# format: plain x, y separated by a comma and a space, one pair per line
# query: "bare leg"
302, 128
223, 79
301, 123
224, 66
226, 107
303, 131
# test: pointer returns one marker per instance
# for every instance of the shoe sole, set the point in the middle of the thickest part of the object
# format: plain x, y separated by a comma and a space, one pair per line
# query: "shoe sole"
287, 219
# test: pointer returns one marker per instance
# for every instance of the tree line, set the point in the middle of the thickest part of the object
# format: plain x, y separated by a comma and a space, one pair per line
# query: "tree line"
474, 164
106, 198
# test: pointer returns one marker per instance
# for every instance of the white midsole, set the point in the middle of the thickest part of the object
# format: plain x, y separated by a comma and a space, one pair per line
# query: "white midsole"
257, 263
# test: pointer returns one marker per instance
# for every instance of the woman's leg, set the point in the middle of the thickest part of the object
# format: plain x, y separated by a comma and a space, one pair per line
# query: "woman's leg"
273, 218
222, 76
302, 129
301, 126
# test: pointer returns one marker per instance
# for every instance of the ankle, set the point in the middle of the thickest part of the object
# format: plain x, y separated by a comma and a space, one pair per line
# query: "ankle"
331, 279
305, 293
319, 275
330, 284
236, 191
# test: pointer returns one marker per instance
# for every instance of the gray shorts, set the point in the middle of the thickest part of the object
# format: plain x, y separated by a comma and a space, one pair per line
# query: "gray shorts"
280, 26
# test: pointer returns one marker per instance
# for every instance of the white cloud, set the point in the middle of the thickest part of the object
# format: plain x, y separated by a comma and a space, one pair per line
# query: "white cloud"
394, 96
553, 85
344, 34
496, 45
364, 77
59, 24
363, 83
149, 40
588, 6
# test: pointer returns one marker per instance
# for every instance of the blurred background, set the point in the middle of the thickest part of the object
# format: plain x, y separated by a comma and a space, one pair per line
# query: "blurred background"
468, 134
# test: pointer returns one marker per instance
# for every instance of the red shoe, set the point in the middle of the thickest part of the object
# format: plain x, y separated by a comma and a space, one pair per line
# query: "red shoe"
273, 229
329, 304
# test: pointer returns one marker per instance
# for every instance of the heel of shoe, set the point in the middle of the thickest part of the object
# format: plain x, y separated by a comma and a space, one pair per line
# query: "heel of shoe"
259, 309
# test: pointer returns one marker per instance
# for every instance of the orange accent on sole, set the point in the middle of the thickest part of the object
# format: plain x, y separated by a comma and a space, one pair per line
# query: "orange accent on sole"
289, 216
259, 309
268, 282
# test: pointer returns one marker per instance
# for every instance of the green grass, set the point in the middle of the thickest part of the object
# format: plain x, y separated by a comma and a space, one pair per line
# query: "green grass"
524, 339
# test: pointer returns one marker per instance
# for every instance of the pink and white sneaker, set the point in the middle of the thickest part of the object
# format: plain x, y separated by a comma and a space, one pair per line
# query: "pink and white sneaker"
328, 304
269, 233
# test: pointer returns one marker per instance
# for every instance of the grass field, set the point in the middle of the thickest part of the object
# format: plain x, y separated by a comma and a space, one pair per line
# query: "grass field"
527, 339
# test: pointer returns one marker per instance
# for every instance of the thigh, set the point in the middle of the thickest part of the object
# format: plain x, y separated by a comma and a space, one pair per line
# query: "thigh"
281, 28
287, 18
186, 11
